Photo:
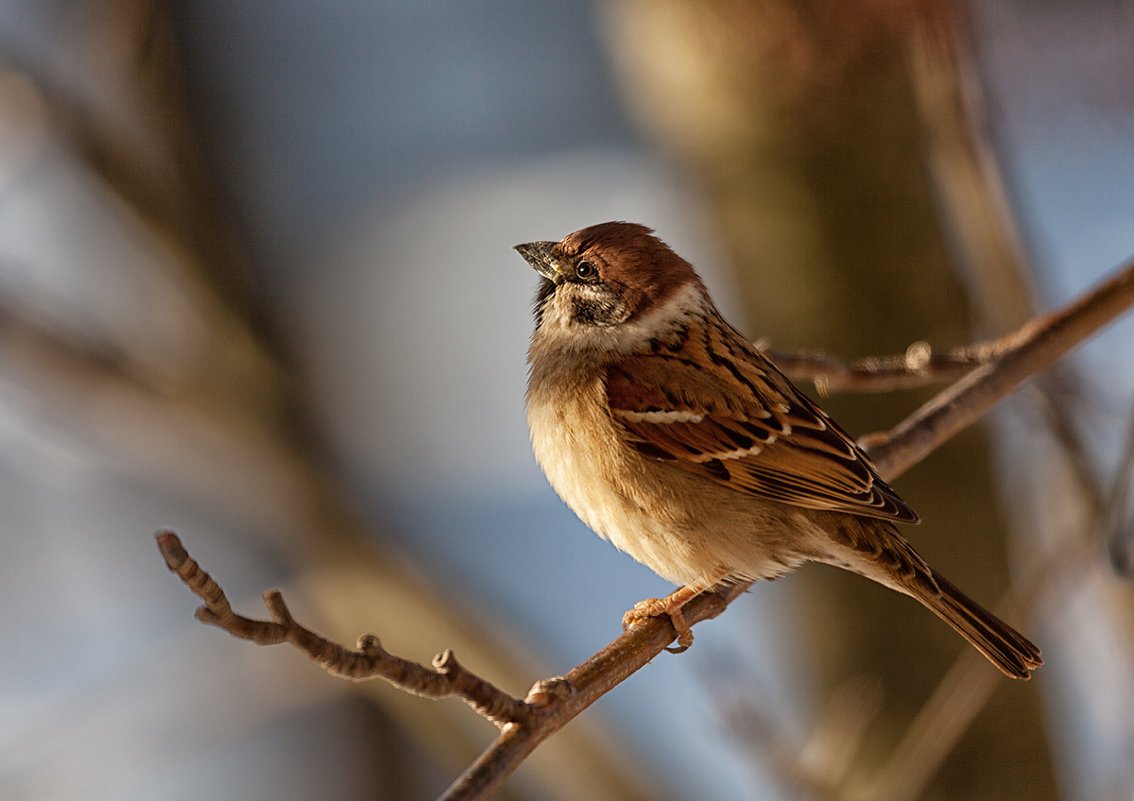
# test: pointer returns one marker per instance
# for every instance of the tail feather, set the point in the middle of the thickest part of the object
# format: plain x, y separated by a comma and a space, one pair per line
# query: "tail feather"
875, 549
1014, 654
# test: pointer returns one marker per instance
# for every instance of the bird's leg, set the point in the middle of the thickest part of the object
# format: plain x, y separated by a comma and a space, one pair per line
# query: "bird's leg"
669, 606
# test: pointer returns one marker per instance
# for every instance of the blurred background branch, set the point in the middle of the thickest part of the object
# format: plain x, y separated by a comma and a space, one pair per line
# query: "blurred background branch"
143, 354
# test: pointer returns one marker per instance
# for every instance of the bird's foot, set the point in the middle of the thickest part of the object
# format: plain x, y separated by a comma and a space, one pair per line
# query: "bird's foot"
671, 607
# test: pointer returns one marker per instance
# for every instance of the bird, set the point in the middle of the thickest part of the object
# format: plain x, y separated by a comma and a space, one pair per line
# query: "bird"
676, 439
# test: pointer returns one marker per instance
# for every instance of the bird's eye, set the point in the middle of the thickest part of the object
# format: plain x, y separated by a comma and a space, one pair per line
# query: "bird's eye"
585, 270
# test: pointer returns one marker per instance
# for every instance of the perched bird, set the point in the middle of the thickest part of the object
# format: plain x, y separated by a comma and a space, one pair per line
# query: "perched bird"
675, 438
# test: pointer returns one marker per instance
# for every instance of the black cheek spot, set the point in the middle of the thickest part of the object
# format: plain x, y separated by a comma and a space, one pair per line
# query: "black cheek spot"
598, 311
586, 312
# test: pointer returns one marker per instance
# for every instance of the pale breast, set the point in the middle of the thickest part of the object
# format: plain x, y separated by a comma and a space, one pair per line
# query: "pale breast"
577, 446
682, 527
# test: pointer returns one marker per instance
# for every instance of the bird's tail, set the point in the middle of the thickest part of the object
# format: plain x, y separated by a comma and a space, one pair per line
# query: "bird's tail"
880, 553
1014, 654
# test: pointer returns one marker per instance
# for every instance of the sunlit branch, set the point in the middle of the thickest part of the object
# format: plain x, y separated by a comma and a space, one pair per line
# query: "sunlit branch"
919, 366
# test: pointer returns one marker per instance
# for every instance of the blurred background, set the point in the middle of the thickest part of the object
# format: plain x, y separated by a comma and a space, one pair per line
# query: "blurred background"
256, 284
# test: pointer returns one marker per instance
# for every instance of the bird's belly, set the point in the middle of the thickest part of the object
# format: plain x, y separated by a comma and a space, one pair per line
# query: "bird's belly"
685, 528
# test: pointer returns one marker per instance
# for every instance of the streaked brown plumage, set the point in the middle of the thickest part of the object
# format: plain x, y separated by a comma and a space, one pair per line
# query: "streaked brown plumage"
675, 438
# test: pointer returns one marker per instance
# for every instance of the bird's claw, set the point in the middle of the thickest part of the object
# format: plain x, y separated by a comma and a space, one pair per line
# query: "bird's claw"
662, 607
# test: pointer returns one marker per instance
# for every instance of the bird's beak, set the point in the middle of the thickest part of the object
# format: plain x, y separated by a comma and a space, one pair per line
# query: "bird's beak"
538, 255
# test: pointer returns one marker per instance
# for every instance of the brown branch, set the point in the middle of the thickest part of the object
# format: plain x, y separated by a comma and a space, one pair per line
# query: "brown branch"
550, 704
577, 690
553, 703
445, 678
919, 366
1037, 345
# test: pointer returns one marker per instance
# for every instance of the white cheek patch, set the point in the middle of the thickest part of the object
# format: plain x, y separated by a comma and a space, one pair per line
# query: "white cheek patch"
555, 315
559, 331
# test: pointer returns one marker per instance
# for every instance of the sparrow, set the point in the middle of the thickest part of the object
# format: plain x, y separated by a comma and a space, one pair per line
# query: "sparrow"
675, 438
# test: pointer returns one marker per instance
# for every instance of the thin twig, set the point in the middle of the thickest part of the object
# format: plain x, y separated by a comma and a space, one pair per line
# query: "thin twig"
445, 678
550, 704
1037, 345
1118, 514
919, 366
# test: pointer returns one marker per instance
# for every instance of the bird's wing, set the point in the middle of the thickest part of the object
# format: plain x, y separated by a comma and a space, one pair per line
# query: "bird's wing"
711, 404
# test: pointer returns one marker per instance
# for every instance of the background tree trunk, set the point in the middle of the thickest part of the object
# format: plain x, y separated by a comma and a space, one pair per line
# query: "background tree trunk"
800, 123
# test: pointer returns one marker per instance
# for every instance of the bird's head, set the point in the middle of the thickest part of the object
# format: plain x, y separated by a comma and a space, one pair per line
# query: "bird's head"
613, 275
